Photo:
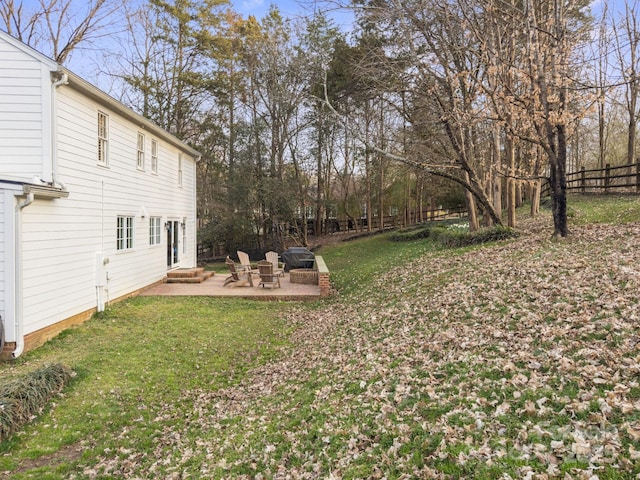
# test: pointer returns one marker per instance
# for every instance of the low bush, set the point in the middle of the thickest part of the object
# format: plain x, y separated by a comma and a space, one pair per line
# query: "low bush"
23, 398
454, 234
454, 238
408, 235
420, 230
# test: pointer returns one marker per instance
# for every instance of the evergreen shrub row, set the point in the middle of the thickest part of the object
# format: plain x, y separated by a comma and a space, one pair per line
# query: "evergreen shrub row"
25, 397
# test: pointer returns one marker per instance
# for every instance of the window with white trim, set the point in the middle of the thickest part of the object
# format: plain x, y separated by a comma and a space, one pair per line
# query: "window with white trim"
155, 230
124, 233
179, 169
103, 139
140, 161
154, 156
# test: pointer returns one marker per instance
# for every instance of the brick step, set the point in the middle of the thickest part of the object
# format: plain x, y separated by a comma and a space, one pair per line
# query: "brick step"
185, 272
188, 275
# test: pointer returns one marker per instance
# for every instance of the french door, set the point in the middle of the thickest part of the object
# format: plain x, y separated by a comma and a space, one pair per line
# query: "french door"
173, 243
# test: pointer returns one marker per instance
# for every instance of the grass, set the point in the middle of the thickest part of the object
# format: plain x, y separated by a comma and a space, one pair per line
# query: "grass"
135, 358
385, 394
611, 209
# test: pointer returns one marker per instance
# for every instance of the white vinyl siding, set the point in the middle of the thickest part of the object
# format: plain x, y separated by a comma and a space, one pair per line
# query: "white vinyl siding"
140, 150
112, 192
103, 139
24, 115
180, 170
3, 252
61, 237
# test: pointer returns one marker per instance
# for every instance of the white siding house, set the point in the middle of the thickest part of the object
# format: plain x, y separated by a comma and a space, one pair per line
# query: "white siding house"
96, 202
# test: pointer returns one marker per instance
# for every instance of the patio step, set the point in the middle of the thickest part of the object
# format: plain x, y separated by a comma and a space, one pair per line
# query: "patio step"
188, 275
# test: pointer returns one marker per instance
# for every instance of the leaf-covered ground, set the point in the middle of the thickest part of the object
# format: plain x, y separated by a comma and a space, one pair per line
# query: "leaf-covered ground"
516, 360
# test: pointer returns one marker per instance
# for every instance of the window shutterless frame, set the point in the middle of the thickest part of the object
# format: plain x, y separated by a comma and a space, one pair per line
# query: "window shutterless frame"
103, 139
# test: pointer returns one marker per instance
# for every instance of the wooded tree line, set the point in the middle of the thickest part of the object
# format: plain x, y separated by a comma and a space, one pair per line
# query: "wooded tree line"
423, 103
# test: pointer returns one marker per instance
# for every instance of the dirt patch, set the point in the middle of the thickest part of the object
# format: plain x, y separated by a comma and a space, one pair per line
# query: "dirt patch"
69, 453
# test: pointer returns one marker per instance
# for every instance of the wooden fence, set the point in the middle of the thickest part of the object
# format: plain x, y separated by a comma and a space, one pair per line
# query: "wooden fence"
621, 179
334, 225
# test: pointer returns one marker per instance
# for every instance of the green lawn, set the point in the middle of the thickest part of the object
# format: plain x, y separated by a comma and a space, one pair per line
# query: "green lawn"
515, 358
133, 360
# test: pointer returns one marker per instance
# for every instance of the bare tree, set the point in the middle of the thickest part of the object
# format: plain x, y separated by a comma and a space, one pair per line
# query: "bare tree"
601, 84
627, 41
59, 27
431, 72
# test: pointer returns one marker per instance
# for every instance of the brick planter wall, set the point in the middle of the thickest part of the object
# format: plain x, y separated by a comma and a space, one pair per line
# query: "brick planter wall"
323, 277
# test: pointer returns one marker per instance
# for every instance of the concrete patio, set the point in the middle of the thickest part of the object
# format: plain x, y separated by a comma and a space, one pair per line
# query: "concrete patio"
213, 287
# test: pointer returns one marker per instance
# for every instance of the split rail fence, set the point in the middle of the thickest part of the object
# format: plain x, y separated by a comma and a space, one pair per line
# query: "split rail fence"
619, 179
334, 225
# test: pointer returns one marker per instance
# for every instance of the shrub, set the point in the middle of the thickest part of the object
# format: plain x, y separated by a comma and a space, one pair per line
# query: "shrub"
454, 234
409, 234
461, 238
419, 231
25, 397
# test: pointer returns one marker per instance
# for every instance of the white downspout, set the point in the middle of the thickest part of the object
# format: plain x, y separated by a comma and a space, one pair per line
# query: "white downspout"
19, 324
63, 80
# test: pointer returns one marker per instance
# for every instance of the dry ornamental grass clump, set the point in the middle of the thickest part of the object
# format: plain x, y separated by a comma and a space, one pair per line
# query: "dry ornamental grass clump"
24, 398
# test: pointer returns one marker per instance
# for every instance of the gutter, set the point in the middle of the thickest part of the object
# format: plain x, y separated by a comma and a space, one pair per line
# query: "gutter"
19, 323
63, 80
56, 190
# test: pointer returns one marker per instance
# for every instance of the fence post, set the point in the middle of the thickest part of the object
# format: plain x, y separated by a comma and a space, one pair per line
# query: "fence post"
637, 175
607, 174
583, 178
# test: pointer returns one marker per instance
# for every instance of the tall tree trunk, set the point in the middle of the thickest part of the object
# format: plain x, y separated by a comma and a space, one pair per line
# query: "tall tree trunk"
511, 183
558, 184
496, 180
535, 197
471, 208
320, 177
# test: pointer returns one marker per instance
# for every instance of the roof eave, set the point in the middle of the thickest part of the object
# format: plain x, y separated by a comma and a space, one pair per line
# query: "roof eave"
107, 101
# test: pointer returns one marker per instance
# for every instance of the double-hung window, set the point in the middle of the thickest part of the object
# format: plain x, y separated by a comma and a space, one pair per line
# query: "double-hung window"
154, 156
155, 231
140, 161
103, 139
124, 233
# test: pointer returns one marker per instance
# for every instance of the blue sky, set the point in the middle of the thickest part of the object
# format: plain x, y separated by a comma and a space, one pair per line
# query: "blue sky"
293, 9
259, 8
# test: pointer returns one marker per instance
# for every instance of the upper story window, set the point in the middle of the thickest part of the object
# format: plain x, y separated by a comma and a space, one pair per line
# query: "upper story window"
154, 156
103, 138
179, 169
124, 233
140, 161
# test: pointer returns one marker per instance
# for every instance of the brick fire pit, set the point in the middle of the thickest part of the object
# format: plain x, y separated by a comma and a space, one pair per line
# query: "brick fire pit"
307, 276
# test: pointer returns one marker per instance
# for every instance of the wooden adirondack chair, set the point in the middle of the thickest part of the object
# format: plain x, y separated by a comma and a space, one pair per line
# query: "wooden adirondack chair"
237, 278
244, 261
277, 266
267, 275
